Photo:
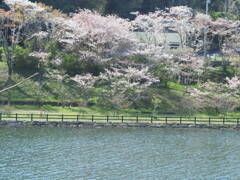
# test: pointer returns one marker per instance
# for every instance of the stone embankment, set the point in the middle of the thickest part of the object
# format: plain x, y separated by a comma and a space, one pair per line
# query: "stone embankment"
118, 125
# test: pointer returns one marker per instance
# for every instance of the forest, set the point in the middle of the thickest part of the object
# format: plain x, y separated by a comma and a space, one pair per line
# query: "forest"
218, 8
137, 56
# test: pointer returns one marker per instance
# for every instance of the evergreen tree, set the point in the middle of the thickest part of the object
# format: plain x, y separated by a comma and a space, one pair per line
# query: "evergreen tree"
151, 5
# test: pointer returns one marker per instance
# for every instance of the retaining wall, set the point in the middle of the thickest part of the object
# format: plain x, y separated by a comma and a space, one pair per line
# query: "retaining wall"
118, 125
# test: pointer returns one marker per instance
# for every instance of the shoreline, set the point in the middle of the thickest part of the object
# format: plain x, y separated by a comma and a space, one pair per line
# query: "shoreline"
71, 124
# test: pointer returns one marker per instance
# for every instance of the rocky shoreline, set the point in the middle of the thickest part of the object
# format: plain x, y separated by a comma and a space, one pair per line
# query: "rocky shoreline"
117, 125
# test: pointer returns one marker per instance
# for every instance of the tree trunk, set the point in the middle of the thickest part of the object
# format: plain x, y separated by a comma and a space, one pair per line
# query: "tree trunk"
10, 69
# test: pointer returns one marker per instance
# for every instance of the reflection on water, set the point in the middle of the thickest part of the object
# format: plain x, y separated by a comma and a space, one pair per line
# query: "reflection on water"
116, 153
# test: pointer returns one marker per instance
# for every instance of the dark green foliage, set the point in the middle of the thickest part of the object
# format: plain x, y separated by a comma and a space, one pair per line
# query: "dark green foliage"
73, 65
73, 5
3, 6
23, 61
164, 75
216, 14
1, 53
151, 5
124, 7
53, 48
219, 74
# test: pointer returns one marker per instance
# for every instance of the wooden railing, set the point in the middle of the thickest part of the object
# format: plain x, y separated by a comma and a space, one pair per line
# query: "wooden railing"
121, 119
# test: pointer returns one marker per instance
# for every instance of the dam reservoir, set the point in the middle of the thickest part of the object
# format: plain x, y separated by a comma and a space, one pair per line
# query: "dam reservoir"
118, 153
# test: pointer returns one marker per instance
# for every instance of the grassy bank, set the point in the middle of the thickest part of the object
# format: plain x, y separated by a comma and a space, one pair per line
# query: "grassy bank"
163, 100
27, 109
77, 120
47, 109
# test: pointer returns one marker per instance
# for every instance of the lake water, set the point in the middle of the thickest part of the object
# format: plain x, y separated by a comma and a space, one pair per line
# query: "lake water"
119, 154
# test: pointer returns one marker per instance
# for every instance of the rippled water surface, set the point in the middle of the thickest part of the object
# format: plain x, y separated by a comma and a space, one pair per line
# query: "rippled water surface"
115, 153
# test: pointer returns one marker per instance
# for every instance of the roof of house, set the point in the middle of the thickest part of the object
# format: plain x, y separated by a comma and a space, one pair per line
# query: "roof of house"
159, 38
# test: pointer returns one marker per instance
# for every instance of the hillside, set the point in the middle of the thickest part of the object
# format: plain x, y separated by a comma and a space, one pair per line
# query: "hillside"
187, 62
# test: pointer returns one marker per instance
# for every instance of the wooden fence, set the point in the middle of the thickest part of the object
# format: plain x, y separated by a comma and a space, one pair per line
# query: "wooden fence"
121, 119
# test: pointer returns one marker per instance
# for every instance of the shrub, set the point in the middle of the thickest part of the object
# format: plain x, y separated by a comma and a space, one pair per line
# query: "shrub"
73, 65
215, 15
162, 73
1, 53
23, 62
53, 47
218, 74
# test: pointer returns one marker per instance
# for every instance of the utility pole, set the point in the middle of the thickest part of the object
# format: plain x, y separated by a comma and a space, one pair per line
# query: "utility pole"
205, 30
225, 6
207, 5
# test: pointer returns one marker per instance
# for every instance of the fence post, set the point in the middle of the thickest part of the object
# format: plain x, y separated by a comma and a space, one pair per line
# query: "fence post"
166, 120
107, 118
223, 120
0, 116
151, 119
16, 118
31, 117
77, 118
47, 117
137, 119
180, 120
122, 119
237, 121
209, 121
62, 117
92, 118
195, 121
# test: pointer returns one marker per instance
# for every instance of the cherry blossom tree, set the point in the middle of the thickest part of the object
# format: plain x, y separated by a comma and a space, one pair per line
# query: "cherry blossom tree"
221, 97
122, 83
176, 19
13, 23
233, 85
101, 37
